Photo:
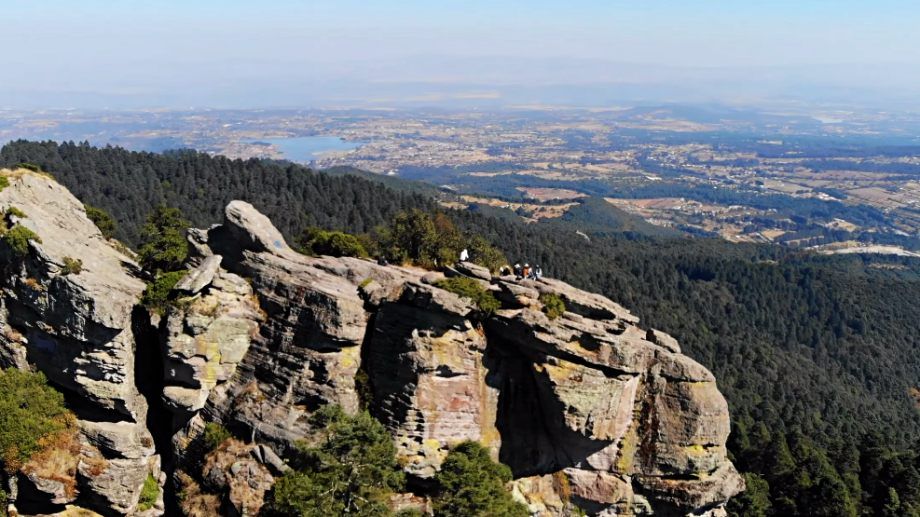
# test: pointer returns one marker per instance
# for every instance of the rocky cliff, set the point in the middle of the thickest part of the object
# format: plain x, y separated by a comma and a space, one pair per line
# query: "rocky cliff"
79, 330
587, 409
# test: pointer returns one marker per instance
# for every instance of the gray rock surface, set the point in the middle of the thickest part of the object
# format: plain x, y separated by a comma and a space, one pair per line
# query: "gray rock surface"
200, 277
590, 396
207, 336
428, 373
77, 329
587, 409
474, 271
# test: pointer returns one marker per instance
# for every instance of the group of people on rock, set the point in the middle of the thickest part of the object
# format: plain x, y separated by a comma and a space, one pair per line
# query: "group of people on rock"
522, 272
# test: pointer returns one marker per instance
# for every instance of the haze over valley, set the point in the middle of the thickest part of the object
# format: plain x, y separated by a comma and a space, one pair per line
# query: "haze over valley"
497, 258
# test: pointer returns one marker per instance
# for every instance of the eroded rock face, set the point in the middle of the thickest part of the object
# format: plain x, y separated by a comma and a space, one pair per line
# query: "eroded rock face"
76, 327
629, 417
207, 335
587, 409
426, 362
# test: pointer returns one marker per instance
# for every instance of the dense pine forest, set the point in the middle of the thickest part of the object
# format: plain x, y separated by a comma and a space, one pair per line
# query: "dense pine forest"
816, 355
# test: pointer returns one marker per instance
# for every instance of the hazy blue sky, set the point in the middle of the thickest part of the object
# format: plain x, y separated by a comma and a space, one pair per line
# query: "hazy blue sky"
239, 53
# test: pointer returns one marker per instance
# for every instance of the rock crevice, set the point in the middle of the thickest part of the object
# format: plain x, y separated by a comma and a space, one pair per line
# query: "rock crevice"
588, 397
77, 328
587, 409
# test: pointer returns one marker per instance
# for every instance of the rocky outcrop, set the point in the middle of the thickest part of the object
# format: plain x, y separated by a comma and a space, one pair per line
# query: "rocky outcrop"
207, 335
426, 362
588, 409
77, 328
234, 470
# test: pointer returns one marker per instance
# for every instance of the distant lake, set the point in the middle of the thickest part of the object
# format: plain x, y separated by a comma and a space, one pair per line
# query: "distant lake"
310, 148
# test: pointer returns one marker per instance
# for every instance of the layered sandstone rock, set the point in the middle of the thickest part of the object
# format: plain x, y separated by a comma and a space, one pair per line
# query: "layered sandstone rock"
589, 410
77, 328
207, 335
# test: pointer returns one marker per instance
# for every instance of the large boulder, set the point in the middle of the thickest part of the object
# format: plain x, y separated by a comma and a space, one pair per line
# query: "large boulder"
425, 360
301, 352
207, 336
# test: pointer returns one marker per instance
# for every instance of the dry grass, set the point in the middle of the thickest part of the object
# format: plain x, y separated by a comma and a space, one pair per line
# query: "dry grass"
96, 465
121, 248
33, 284
57, 460
193, 501
257, 306
12, 334
562, 486
206, 306
915, 395
19, 173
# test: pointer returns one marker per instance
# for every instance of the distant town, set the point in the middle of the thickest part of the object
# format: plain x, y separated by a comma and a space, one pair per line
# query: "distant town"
836, 182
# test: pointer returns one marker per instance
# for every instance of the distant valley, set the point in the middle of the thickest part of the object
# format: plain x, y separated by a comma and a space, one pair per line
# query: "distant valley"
827, 180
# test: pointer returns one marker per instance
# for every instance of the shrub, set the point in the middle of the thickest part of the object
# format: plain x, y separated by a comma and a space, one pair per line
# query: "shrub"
30, 411
17, 240
553, 305
214, 435
484, 254
192, 500
469, 288
364, 389
13, 211
29, 166
163, 244
349, 469
432, 240
428, 240
72, 266
156, 295
470, 483
102, 220
150, 492
4, 182
755, 500
337, 244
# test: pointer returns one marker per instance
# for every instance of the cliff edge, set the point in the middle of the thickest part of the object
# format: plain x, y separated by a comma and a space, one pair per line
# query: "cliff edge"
587, 409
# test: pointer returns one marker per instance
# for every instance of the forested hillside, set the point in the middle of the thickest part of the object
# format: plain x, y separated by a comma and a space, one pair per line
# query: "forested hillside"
129, 185
816, 355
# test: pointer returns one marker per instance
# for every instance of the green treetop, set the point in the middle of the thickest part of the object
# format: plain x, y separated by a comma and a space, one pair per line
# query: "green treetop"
164, 247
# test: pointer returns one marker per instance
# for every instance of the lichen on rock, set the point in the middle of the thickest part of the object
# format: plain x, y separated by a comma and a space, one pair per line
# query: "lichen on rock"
590, 398
588, 409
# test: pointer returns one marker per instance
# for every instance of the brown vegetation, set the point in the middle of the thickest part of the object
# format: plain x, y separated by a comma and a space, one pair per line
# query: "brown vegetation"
193, 501
57, 460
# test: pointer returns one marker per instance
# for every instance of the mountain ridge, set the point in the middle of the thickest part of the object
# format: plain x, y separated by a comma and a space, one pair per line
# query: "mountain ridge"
309, 325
